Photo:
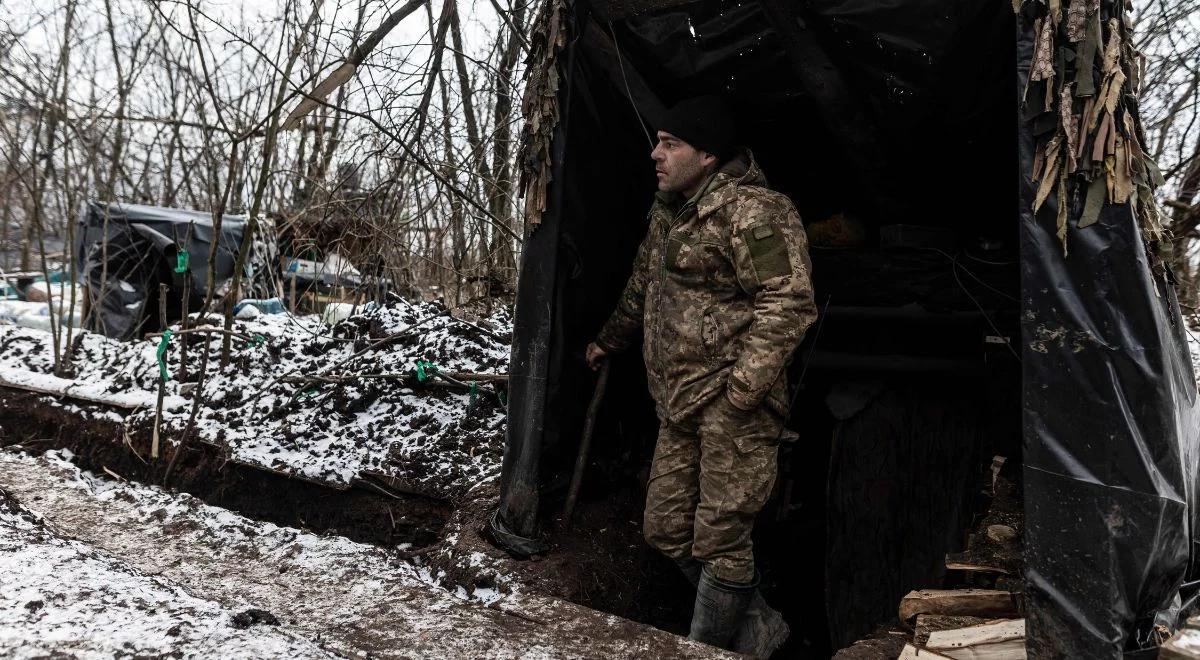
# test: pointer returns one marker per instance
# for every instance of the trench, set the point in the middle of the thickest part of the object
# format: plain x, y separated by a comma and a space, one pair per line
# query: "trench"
99, 446
600, 561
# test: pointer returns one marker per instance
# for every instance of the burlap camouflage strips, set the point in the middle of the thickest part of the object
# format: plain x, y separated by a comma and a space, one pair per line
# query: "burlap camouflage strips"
721, 290
708, 481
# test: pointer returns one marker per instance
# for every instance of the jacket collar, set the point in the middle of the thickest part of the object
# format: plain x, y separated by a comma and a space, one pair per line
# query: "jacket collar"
721, 187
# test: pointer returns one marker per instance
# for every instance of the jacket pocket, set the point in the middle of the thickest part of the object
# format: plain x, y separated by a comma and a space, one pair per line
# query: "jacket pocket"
749, 430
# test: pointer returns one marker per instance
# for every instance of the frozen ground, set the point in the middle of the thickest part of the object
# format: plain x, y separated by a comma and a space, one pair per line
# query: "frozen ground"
333, 404
97, 568
59, 596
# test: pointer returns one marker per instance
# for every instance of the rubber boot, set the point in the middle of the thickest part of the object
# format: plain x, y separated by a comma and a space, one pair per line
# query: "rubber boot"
719, 609
762, 630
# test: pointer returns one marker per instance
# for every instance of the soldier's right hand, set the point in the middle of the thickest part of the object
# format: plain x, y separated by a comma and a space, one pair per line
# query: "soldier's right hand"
595, 356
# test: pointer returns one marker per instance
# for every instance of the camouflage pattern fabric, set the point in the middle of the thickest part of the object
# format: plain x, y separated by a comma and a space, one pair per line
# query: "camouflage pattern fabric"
707, 483
721, 290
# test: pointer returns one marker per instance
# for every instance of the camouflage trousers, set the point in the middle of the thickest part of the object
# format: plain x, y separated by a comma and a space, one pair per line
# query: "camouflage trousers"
710, 477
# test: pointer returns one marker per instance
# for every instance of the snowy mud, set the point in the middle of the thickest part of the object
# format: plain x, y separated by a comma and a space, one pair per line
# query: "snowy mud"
292, 436
324, 403
100, 568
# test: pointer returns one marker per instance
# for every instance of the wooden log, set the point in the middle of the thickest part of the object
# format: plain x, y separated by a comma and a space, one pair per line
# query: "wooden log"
1183, 645
993, 640
65, 392
988, 633
1013, 649
927, 624
958, 562
911, 652
989, 603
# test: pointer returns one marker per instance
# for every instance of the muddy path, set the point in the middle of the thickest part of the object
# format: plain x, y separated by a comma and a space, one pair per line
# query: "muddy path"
60, 598
354, 598
601, 562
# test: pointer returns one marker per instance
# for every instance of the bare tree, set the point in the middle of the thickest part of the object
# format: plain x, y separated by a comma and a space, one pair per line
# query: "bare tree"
1168, 36
357, 127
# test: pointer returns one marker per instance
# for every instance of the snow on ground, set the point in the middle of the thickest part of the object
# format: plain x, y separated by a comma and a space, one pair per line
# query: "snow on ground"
428, 436
59, 596
152, 573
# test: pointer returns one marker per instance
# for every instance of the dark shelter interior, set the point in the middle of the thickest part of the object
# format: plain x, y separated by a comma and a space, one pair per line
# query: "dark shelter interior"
891, 127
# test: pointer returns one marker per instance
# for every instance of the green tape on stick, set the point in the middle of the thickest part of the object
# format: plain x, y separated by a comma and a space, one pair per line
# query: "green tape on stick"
425, 370
474, 392
162, 354
181, 261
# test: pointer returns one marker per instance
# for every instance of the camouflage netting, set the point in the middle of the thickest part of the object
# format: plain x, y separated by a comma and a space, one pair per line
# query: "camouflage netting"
1081, 100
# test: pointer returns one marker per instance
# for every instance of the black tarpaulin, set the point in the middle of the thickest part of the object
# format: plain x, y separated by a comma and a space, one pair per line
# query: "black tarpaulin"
1111, 427
123, 251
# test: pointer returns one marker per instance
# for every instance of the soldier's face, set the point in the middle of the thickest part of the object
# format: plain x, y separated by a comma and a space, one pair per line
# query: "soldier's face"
680, 167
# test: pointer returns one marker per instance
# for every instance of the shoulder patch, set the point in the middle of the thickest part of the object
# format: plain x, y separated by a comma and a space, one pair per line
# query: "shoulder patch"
768, 251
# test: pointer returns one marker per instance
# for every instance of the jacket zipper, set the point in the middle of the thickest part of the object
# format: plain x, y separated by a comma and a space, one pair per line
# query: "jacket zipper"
662, 270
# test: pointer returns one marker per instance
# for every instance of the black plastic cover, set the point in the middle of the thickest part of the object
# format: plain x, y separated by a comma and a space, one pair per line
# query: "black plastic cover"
1111, 430
123, 251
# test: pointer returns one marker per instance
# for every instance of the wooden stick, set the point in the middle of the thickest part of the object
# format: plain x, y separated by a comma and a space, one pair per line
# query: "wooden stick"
377, 344
292, 295
450, 376
162, 382
203, 329
191, 423
585, 442
66, 393
183, 329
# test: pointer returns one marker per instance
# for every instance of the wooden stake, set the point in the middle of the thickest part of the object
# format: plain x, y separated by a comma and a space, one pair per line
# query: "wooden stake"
585, 443
162, 382
183, 327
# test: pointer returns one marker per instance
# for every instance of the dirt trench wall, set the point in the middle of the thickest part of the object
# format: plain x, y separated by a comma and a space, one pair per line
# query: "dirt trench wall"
103, 445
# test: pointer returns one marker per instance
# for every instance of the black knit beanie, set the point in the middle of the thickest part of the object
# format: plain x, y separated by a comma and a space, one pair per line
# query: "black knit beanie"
706, 123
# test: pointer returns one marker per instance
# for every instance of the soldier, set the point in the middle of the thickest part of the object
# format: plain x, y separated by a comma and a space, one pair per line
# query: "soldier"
721, 291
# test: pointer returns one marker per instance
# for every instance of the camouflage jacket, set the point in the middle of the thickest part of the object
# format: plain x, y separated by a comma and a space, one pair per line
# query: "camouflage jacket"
721, 289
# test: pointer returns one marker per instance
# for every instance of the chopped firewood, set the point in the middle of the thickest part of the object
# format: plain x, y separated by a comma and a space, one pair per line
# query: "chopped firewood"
954, 562
1001, 533
911, 652
971, 602
985, 634
882, 644
990, 640
929, 623
994, 546
1013, 649
1184, 645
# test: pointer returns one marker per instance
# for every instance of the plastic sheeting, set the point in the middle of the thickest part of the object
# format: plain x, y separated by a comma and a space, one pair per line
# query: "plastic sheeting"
1111, 431
123, 251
